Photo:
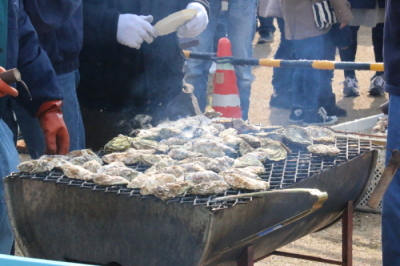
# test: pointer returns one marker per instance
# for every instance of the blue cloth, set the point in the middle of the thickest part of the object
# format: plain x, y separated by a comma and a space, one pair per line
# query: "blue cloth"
241, 26
31, 130
8, 161
23, 51
391, 199
370, 4
391, 47
266, 27
306, 82
59, 24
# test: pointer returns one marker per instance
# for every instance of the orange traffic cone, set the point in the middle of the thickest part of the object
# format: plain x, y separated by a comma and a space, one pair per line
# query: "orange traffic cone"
226, 98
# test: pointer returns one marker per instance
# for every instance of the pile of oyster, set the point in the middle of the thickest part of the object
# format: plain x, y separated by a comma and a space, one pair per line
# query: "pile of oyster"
381, 127
195, 155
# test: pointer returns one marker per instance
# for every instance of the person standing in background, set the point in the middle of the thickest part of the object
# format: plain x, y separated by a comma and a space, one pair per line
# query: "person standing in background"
391, 199
59, 24
241, 27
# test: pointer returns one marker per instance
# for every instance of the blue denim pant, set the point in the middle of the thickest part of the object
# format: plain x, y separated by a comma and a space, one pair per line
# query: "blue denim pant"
8, 163
391, 199
306, 82
241, 26
31, 129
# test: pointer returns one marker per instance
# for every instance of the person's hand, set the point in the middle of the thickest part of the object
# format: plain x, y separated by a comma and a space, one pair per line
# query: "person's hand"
6, 89
55, 131
133, 30
196, 25
343, 24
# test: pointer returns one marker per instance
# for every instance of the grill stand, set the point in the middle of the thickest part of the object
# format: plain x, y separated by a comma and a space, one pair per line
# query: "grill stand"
247, 257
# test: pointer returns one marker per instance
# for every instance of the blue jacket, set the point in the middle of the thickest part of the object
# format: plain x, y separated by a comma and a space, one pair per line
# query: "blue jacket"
369, 4
22, 51
59, 24
391, 47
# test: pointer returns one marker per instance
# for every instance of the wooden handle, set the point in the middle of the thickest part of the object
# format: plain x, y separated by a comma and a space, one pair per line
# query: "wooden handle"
386, 178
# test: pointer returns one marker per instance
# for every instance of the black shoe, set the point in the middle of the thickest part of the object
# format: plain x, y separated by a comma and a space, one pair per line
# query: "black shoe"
350, 87
335, 110
319, 118
281, 101
296, 115
265, 38
377, 86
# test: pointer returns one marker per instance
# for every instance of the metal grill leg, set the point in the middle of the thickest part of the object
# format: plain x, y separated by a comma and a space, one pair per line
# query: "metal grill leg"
347, 235
247, 258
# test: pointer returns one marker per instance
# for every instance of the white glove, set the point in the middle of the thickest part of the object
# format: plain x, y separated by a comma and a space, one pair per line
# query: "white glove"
133, 30
196, 25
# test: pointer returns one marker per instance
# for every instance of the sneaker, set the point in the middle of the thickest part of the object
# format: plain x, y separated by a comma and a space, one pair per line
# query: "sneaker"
281, 101
296, 115
350, 87
377, 86
265, 38
319, 117
336, 110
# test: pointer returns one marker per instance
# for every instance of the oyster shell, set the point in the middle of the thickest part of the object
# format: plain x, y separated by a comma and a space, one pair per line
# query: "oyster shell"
209, 163
153, 158
270, 128
76, 172
144, 144
158, 166
174, 141
177, 171
238, 181
297, 135
180, 154
149, 134
203, 176
321, 134
209, 188
254, 170
242, 172
166, 133
118, 144
124, 172
193, 167
40, 165
93, 166
207, 148
151, 182
244, 148
212, 114
253, 141
246, 161
104, 179
171, 190
323, 150
274, 150
228, 131
241, 126
80, 157
130, 156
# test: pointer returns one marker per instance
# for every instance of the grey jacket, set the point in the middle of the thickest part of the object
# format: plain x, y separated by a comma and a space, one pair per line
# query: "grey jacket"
299, 17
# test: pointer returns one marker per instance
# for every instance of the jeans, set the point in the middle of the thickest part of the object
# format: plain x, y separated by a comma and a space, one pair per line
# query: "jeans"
266, 26
282, 77
8, 163
326, 76
349, 54
391, 199
306, 82
31, 129
241, 26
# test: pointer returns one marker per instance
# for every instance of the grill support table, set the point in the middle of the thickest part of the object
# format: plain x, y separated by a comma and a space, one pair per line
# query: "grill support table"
247, 258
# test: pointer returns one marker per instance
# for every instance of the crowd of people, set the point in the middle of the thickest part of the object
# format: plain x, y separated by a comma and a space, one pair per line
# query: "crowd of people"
92, 65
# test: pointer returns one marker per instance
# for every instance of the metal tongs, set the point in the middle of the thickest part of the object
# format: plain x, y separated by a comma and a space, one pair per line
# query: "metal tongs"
13, 75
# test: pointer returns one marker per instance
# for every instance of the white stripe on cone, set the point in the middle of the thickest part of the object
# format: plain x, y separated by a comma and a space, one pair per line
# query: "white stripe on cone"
230, 100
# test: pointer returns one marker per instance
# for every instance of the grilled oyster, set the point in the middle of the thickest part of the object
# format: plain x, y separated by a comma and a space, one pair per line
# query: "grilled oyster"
158, 166
212, 114
253, 141
232, 141
76, 172
321, 134
130, 156
104, 179
246, 161
297, 135
223, 163
209, 188
228, 131
80, 157
274, 150
166, 133
244, 148
177, 171
323, 150
242, 172
241, 126
40, 165
180, 154
171, 190
174, 141
203, 176
207, 148
193, 167
153, 158
209, 163
238, 181
124, 172
151, 182
270, 128
93, 166
254, 170
144, 144
118, 144
149, 134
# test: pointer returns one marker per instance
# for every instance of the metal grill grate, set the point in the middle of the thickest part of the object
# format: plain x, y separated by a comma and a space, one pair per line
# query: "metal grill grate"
299, 165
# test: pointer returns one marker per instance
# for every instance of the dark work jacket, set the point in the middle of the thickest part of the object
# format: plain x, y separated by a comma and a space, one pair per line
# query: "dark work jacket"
116, 77
23, 52
59, 24
391, 47
370, 4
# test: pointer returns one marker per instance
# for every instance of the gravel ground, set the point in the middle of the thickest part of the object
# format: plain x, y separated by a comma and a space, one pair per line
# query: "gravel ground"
367, 231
